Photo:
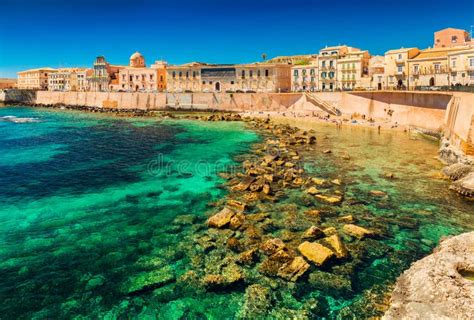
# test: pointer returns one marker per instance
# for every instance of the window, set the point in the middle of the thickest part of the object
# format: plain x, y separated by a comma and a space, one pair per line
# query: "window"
324, 64
131, 78
331, 74
454, 39
232, 82
204, 82
415, 68
400, 69
311, 72
399, 56
436, 67
161, 78
323, 75
295, 73
258, 73
454, 63
187, 74
471, 75
267, 72
304, 72
180, 74
243, 74
471, 62
331, 64
251, 73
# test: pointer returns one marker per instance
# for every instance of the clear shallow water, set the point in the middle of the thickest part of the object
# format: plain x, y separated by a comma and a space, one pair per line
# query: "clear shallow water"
87, 204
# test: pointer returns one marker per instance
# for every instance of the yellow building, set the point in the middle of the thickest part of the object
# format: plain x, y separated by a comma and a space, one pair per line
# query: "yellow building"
396, 67
461, 67
67, 79
34, 78
254, 77
353, 70
430, 67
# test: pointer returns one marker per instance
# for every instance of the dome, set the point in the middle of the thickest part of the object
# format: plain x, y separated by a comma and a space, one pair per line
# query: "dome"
136, 55
137, 60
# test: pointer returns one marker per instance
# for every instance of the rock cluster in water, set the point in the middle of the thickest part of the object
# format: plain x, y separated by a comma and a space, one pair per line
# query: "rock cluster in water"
259, 241
436, 287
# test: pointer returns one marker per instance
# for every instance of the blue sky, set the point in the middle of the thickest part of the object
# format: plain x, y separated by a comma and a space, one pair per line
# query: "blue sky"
73, 32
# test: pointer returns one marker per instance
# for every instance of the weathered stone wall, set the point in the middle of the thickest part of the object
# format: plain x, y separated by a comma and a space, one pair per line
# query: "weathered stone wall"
16, 96
427, 110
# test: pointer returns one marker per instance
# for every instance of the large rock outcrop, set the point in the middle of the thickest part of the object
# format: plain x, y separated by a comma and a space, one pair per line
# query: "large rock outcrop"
436, 287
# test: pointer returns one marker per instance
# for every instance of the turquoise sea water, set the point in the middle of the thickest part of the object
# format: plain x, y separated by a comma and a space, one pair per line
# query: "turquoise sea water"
88, 206
84, 197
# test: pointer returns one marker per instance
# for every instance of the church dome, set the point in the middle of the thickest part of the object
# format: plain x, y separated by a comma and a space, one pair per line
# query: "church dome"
136, 55
137, 60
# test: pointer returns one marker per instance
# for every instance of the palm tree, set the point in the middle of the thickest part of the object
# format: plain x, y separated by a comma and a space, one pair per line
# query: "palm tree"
264, 56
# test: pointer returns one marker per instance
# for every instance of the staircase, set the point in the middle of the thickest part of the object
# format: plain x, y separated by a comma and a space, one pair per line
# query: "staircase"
323, 105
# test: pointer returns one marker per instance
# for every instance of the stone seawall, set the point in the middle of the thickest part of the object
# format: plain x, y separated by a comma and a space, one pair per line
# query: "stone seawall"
433, 111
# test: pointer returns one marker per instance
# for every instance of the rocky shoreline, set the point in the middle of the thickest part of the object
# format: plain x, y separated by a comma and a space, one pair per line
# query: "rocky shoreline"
436, 287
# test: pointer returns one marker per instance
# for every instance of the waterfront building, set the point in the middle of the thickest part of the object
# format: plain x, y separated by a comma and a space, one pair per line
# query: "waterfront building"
327, 66
79, 80
304, 77
451, 37
430, 67
396, 67
68, 79
253, 77
137, 77
104, 75
377, 73
461, 67
352, 71
34, 78
7, 83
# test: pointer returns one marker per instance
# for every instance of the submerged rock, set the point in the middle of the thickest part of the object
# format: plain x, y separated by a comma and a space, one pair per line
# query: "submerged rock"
148, 280
315, 252
257, 302
313, 233
221, 219
329, 199
434, 287
294, 269
356, 231
378, 193
271, 246
331, 284
248, 257
337, 245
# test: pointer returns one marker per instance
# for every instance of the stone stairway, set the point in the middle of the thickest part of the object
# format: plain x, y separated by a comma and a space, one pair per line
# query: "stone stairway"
323, 105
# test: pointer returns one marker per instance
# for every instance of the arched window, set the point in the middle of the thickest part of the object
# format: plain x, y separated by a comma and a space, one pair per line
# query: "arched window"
267, 73
258, 73
243, 74
174, 74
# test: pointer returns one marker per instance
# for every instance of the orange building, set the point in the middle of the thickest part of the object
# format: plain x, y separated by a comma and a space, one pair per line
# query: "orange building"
451, 37
7, 83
